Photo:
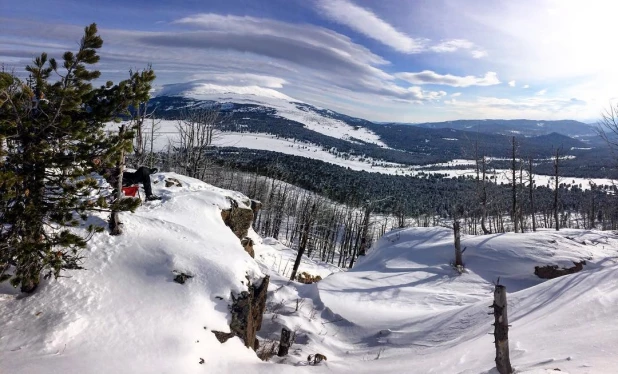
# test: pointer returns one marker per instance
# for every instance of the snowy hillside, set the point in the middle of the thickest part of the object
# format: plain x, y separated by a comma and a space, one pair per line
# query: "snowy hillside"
405, 305
124, 314
402, 309
284, 105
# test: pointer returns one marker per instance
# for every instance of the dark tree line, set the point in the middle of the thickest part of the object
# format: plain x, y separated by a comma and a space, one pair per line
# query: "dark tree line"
424, 198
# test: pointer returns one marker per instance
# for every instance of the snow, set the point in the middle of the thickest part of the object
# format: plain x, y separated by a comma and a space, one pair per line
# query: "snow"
402, 303
237, 94
124, 313
285, 106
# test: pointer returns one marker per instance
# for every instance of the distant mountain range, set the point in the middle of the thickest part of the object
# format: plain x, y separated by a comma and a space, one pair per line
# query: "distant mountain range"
269, 113
524, 127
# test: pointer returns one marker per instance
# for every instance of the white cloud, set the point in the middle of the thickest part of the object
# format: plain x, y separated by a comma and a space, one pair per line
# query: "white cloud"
479, 54
456, 94
535, 107
526, 86
430, 77
512, 83
541, 92
369, 24
240, 79
452, 45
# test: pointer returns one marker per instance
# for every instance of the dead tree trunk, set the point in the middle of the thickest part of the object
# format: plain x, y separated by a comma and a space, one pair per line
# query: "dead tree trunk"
514, 187
304, 237
556, 185
501, 331
114, 219
458, 252
365, 230
484, 198
285, 342
531, 191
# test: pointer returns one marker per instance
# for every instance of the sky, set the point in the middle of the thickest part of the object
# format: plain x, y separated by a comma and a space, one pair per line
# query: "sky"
387, 60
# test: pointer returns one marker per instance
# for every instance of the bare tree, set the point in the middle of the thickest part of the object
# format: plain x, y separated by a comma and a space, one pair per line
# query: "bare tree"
196, 131
607, 128
140, 114
152, 135
531, 192
481, 180
556, 187
514, 183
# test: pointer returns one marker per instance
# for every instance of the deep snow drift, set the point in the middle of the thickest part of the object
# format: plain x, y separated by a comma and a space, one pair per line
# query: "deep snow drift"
125, 314
403, 303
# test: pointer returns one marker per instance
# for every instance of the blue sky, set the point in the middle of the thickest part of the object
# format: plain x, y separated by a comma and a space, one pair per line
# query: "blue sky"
390, 60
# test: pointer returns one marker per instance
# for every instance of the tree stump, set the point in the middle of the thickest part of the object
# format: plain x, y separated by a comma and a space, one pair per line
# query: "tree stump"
501, 331
284, 343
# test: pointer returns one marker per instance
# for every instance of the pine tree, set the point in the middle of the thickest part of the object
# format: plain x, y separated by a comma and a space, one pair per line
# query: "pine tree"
51, 130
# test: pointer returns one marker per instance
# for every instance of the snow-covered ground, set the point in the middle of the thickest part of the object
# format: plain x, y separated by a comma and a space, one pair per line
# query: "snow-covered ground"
124, 314
406, 305
402, 303
285, 106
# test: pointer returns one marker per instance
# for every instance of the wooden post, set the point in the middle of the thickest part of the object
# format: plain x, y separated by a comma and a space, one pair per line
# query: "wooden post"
501, 331
114, 219
284, 343
458, 253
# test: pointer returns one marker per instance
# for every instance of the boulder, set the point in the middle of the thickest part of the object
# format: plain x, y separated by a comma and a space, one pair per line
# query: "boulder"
238, 218
247, 310
552, 271
172, 182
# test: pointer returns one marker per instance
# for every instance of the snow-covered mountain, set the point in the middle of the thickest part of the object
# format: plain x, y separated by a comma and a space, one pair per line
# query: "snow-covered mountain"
258, 110
313, 118
402, 309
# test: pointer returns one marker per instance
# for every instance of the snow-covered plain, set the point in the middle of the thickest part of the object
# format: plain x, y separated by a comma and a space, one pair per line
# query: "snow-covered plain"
402, 303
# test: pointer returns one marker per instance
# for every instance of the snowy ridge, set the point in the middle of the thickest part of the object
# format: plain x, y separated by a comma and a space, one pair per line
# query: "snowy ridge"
285, 106
125, 314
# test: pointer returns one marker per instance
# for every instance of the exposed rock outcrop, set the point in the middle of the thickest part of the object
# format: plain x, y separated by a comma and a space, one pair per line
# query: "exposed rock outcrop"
172, 182
238, 218
247, 310
247, 244
552, 271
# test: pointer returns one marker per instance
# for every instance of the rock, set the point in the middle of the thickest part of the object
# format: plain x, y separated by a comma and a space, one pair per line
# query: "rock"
172, 182
223, 336
552, 271
247, 244
247, 310
238, 218
182, 277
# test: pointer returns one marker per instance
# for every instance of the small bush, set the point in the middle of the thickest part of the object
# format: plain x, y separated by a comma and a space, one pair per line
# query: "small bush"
307, 278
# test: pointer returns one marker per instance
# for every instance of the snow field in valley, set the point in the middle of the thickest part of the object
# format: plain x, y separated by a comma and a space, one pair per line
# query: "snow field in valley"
406, 304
